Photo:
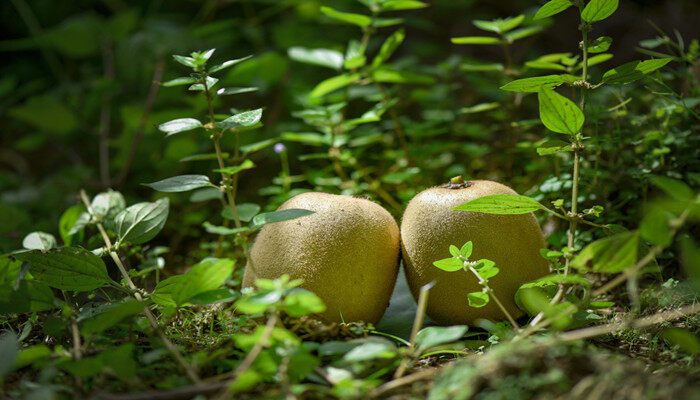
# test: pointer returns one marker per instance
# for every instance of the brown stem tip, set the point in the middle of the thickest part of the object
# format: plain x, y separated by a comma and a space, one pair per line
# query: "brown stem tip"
457, 182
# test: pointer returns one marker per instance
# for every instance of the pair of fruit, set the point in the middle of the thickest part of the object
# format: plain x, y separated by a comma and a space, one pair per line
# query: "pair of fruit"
347, 252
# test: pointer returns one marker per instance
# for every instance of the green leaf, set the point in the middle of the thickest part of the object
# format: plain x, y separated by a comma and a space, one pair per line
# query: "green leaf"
534, 84
479, 108
499, 25
21, 295
9, 348
388, 47
535, 300
476, 40
142, 221
384, 22
205, 276
673, 187
633, 71
206, 194
371, 350
180, 183
227, 64
186, 61
108, 204
30, 355
235, 90
437, 335
222, 230
553, 146
322, 57
569, 279
66, 268
466, 250
233, 170
597, 10
655, 227
334, 83
246, 211
39, 241
687, 341
552, 7
184, 80
257, 146
350, 18
199, 87
478, 299
488, 272
544, 65
214, 297
394, 76
484, 264
558, 113
300, 302
112, 315
609, 255
522, 33
600, 45
244, 119
454, 250
278, 216
597, 59
163, 292
502, 204
68, 221
395, 5
449, 264
179, 125
310, 138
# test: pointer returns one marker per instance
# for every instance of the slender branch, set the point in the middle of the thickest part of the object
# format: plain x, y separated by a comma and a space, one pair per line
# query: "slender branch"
417, 325
641, 323
395, 118
406, 380
106, 115
148, 106
174, 351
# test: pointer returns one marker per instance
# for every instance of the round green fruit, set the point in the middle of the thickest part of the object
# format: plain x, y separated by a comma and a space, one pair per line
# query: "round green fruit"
430, 225
347, 253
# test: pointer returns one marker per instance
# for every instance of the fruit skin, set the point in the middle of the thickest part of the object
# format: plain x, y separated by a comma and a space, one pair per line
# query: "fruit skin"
347, 252
429, 226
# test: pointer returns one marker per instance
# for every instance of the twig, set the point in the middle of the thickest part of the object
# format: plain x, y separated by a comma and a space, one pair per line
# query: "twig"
106, 115
184, 392
148, 106
641, 323
417, 325
406, 380
174, 351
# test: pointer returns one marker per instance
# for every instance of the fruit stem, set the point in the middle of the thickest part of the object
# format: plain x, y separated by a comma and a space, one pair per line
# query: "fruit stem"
457, 182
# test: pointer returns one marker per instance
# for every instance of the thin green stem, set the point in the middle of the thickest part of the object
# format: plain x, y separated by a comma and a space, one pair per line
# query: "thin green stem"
229, 185
491, 293
174, 351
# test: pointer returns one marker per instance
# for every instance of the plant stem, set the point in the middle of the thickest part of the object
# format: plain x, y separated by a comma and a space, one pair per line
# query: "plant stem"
483, 283
230, 185
174, 351
395, 118
150, 100
417, 325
